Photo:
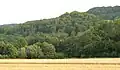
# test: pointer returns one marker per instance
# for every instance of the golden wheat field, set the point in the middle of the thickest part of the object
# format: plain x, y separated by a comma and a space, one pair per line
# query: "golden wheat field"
60, 64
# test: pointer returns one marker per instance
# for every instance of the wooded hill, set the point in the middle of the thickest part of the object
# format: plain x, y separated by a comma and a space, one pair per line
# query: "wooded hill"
95, 33
108, 13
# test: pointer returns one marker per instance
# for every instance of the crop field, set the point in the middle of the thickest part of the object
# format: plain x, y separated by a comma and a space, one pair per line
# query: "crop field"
60, 64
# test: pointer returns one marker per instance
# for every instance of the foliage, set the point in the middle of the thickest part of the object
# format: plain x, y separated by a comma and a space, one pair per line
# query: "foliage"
95, 33
108, 13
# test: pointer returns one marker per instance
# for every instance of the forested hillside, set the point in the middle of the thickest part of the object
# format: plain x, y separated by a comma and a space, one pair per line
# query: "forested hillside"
71, 35
108, 13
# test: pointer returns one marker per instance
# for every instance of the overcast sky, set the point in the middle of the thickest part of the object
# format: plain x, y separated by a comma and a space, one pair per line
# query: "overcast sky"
19, 11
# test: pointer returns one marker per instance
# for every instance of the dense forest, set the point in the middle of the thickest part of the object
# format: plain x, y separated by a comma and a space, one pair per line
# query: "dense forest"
107, 13
91, 34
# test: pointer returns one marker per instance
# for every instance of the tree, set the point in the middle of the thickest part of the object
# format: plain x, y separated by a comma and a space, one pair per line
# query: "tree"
22, 53
8, 49
34, 51
48, 50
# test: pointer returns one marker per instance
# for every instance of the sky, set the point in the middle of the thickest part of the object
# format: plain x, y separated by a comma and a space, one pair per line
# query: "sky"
20, 11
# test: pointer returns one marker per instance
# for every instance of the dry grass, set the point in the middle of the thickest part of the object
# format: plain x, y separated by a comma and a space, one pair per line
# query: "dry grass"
60, 64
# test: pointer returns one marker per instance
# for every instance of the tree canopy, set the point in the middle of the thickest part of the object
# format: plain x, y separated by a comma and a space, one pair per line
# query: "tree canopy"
91, 34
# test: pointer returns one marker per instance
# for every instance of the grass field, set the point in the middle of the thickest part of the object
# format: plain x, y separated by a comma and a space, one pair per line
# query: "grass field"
60, 64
